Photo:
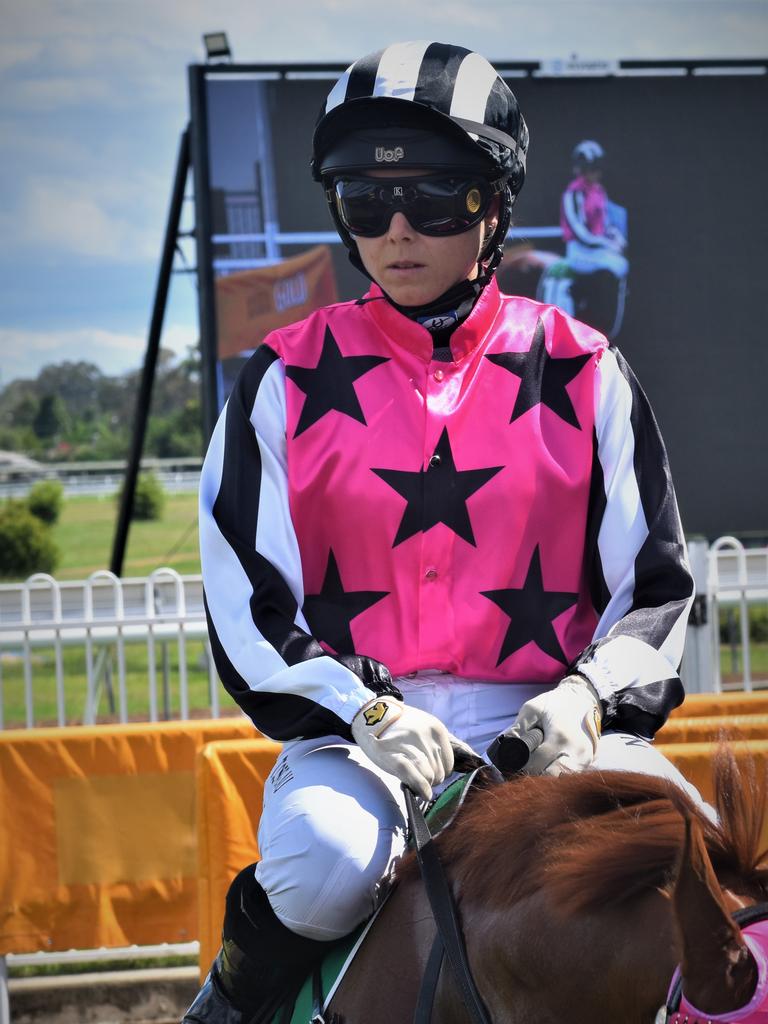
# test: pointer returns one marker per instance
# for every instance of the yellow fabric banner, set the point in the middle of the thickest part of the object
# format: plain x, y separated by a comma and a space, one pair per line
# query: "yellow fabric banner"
737, 702
251, 303
704, 728
230, 781
98, 842
695, 762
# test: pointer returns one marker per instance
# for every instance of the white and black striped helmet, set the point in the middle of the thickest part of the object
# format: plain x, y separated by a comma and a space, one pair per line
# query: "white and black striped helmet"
588, 155
428, 105
447, 89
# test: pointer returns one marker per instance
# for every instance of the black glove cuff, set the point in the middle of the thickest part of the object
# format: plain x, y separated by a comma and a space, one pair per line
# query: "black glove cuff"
372, 674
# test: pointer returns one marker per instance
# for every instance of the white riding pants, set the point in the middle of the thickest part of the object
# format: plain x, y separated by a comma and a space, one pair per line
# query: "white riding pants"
586, 259
334, 825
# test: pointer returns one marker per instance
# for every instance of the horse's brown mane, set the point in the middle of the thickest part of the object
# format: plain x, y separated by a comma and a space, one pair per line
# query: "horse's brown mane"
594, 838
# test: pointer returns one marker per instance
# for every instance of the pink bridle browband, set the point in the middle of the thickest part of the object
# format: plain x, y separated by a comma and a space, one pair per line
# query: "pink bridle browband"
756, 1010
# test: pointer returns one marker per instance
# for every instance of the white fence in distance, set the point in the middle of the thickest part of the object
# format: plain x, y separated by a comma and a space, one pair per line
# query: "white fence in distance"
738, 579
102, 616
164, 612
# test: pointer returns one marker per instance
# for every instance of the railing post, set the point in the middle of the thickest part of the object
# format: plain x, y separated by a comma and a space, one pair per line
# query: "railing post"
697, 668
93, 616
734, 546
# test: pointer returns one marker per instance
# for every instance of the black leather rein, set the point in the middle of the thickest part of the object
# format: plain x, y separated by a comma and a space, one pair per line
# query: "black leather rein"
449, 939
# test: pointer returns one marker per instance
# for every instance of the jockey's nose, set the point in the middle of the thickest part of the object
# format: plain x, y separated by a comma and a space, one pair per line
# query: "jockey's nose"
400, 227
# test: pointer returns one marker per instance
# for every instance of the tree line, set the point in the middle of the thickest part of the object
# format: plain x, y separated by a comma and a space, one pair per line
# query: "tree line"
73, 411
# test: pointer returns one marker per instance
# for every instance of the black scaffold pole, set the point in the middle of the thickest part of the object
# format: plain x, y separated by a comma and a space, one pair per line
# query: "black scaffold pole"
150, 357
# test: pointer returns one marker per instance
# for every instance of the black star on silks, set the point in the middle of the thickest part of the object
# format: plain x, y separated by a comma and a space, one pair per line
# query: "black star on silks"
438, 494
531, 610
330, 384
330, 612
542, 378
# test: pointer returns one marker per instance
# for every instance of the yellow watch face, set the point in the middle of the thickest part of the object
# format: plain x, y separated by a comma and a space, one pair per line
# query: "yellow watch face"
474, 199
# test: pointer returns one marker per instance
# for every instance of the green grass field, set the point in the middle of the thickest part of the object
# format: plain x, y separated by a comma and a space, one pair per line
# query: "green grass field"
45, 707
85, 533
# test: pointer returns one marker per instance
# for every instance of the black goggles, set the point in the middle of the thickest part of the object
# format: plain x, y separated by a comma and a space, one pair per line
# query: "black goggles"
433, 204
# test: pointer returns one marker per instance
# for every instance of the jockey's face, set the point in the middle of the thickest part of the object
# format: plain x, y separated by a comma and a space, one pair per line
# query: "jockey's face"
415, 269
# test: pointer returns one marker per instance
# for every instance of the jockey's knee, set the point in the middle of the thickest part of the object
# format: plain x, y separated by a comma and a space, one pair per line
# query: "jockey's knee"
324, 880
328, 898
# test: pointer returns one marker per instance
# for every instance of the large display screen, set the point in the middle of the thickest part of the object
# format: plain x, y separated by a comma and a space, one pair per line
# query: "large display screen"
643, 213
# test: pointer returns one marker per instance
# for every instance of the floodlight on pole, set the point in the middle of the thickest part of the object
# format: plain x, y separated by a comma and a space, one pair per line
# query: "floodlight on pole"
217, 47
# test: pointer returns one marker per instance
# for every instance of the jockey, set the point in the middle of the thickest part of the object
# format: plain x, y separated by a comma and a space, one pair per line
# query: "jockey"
425, 515
592, 242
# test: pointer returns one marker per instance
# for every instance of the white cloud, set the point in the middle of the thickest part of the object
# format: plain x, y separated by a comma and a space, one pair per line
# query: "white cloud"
91, 216
93, 95
15, 51
148, 43
24, 352
53, 92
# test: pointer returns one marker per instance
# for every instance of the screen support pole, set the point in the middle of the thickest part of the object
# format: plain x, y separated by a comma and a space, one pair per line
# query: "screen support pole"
150, 357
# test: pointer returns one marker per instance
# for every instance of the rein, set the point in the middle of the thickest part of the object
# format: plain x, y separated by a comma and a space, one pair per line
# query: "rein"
449, 939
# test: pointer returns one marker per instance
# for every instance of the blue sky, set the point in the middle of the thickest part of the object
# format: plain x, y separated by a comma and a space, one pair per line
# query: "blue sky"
93, 98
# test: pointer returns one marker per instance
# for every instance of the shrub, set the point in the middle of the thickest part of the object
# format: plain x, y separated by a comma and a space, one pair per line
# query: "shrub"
45, 500
149, 498
730, 625
758, 624
26, 545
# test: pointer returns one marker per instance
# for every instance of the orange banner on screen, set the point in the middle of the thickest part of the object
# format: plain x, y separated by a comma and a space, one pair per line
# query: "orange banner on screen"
252, 303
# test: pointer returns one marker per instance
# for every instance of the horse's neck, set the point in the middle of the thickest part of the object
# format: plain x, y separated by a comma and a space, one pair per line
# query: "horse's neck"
533, 964
383, 981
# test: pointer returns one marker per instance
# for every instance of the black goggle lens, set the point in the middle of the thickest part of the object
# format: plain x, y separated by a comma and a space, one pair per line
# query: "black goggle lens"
445, 205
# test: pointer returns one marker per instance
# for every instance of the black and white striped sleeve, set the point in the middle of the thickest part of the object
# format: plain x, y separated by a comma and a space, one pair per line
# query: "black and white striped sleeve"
641, 585
573, 209
266, 658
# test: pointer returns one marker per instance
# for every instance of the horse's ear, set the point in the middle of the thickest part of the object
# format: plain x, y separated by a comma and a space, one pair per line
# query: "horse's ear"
719, 973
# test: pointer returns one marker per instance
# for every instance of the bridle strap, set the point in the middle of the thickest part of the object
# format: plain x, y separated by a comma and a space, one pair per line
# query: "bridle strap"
429, 980
444, 910
743, 916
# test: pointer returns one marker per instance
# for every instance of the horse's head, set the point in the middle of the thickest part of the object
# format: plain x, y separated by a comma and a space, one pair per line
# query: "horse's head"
723, 975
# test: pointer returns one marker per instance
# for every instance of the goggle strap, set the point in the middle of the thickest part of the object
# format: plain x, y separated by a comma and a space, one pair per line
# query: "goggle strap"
485, 131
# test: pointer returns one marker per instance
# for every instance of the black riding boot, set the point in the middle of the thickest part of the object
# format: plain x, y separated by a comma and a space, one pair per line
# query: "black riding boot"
260, 964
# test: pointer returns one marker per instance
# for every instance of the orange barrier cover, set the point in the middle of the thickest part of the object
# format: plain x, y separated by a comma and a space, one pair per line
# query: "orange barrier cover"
701, 728
695, 762
736, 702
230, 788
98, 841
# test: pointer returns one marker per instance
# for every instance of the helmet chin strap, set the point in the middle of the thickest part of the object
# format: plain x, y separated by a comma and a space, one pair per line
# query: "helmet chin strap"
448, 310
495, 247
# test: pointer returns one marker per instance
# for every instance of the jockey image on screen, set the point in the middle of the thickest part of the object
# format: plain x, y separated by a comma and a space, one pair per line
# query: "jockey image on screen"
426, 516
592, 279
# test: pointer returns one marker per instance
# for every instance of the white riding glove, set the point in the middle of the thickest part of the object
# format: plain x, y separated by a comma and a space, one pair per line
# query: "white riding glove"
570, 718
410, 744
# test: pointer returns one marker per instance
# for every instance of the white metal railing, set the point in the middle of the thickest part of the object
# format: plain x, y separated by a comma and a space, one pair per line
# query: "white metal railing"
177, 482
164, 612
85, 956
737, 578
102, 616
